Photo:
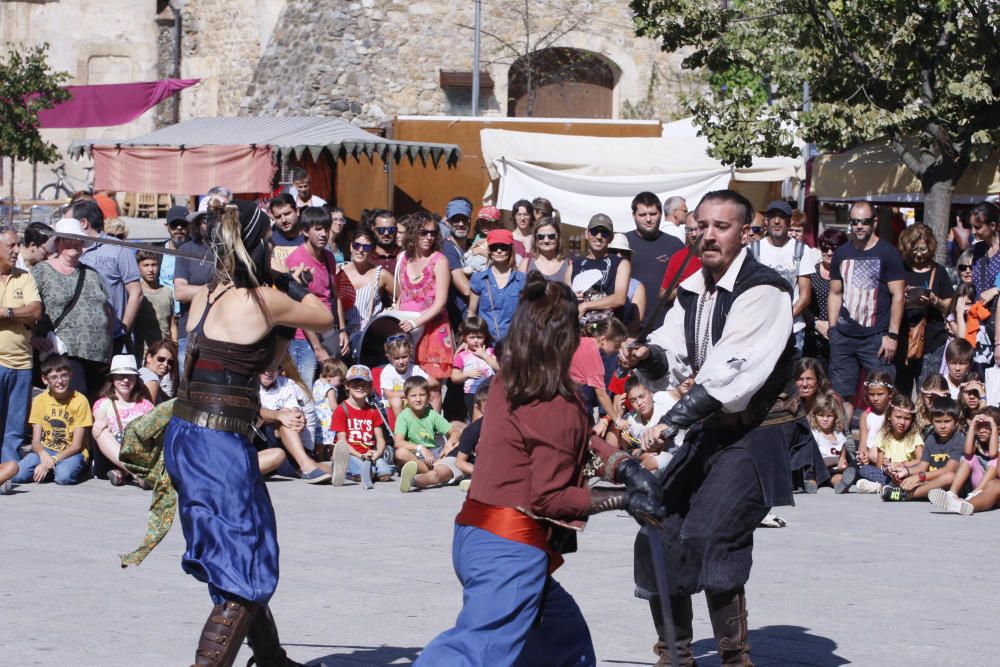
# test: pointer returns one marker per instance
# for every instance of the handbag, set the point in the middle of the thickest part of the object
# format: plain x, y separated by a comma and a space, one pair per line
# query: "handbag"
46, 328
915, 339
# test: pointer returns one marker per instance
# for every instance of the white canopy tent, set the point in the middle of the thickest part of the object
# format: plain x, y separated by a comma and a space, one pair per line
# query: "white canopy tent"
584, 175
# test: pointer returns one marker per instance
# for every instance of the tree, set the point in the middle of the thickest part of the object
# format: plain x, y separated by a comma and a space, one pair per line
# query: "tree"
923, 73
28, 86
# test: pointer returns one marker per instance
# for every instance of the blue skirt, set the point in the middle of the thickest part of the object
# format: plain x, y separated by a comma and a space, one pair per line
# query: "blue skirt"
513, 612
225, 512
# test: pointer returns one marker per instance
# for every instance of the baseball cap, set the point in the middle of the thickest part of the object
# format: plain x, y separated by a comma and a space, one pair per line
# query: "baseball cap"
601, 220
501, 236
359, 372
177, 213
491, 213
458, 207
780, 206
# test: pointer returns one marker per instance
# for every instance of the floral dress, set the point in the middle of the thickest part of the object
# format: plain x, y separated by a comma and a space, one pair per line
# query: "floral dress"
435, 349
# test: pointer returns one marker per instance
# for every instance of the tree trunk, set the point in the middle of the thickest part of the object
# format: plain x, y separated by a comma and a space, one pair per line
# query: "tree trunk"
937, 213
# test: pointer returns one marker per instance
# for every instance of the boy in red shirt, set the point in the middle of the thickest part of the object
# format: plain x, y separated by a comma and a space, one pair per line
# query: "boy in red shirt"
359, 425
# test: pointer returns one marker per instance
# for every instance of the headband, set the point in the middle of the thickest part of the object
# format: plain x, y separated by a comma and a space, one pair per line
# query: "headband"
879, 383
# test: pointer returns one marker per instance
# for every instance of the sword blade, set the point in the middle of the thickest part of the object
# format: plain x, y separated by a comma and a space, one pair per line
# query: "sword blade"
136, 245
654, 532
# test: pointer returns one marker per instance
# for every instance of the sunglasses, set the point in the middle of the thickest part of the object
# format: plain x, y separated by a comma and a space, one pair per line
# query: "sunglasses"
855, 222
363, 247
428, 232
546, 237
965, 267
500, 247
177, 225
602, 232
164, 360
827, 248
385, 231
398, 338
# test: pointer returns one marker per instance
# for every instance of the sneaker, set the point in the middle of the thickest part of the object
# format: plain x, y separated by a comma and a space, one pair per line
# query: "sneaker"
946, 501
341, 457
116, 477
894, 494
317, 476
465, 484
772, 521
847, 479
868, 486
406, 475
810, 486
7, 488
366, 476
350, 477
973, 494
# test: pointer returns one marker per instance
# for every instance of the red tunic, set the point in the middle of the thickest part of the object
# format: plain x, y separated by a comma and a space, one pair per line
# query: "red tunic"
533, 457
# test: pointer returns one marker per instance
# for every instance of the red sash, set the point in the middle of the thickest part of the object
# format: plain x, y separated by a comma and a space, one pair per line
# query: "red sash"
510, 524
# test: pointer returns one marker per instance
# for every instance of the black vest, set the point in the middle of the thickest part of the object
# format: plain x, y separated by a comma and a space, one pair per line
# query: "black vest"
781, 379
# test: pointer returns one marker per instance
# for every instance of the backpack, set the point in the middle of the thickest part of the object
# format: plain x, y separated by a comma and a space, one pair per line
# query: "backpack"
797, 254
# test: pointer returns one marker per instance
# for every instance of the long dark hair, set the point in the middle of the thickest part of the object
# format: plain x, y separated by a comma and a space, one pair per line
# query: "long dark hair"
417, 222
548, 317
171, 347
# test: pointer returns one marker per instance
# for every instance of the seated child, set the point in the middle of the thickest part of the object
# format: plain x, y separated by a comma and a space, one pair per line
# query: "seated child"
59, 421
474, 361
290, 422
933, 386
647, 409
978, 465
458, 464
879, 390
360, 444
418, 429
899, 446
826, 419
943, 446
958, 357
123, 399
399, 352
326, 396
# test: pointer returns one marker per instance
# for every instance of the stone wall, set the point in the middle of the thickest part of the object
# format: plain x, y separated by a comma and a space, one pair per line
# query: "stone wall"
368, 60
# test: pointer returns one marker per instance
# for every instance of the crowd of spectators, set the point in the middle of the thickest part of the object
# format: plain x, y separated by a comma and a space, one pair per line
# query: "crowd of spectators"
896, 347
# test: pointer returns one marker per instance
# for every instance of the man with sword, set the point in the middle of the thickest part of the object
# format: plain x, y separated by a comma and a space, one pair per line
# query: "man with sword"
740, 417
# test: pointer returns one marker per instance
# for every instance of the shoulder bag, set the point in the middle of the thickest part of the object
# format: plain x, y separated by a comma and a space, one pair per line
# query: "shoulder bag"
915, 339
46, 327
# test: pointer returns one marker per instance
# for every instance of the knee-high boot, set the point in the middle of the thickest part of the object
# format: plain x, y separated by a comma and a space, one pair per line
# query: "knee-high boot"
263, 639
223, 633
728, 612
680, 606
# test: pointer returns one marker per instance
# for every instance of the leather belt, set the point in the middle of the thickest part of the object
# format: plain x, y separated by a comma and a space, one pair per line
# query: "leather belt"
218, 420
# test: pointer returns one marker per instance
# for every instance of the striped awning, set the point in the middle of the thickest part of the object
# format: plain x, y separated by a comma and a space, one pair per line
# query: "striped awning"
286, 136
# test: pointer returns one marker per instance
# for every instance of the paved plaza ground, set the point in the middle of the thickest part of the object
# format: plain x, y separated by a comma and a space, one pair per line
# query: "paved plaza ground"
367, 580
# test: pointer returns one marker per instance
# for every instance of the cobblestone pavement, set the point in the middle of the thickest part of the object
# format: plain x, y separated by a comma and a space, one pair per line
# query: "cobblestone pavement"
367, 580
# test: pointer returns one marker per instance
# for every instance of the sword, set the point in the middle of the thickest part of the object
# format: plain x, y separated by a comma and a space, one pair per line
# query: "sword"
135, 245
654, 528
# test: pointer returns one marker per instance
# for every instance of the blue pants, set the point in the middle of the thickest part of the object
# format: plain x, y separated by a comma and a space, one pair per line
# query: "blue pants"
506, 588
873, 474
15, 393
382, 467
67, 471
304, 359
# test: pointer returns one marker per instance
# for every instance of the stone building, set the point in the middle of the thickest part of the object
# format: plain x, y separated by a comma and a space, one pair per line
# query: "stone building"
362, 60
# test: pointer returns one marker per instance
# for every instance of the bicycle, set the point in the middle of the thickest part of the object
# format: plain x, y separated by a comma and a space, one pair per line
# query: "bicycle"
59, 189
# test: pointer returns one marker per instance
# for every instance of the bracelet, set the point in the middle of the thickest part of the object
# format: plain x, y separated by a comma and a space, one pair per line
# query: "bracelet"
923, 477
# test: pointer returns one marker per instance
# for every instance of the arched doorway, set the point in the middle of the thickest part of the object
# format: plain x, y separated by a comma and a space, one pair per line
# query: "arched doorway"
561, 82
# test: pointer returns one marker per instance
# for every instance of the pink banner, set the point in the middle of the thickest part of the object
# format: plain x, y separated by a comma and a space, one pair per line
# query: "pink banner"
165, 169
110, 104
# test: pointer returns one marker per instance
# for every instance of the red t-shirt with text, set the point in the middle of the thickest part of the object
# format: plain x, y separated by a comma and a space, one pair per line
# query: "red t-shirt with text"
358, 425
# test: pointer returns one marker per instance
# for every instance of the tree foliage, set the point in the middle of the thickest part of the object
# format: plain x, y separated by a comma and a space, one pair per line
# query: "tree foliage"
923, 73
28, 86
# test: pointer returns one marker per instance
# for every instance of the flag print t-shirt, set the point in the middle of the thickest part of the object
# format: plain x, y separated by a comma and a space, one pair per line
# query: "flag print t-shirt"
866, 275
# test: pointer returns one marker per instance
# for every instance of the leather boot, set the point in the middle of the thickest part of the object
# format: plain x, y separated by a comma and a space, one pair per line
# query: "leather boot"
680, 605
223, 633
263, 639
728, 612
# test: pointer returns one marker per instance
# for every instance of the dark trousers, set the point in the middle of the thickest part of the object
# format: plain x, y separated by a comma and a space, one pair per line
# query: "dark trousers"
849, 355
707, 537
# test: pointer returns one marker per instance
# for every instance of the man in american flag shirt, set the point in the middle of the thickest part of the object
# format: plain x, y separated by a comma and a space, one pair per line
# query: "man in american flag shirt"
867, 287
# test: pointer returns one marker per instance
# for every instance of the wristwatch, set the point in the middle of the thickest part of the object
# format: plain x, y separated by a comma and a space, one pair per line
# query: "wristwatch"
892, 335
10, 313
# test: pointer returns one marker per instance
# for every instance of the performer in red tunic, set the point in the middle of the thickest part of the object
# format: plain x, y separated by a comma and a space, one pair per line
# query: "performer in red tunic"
529, 499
